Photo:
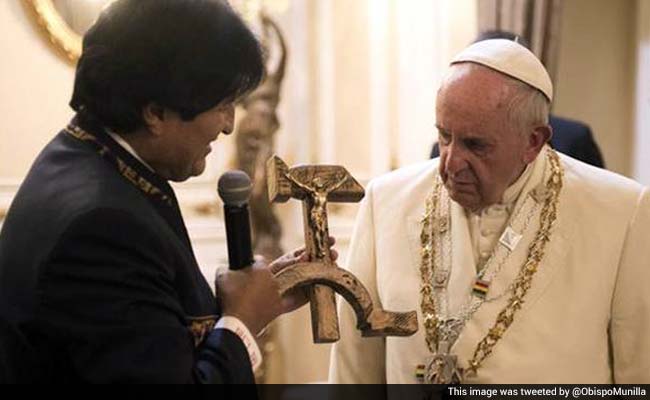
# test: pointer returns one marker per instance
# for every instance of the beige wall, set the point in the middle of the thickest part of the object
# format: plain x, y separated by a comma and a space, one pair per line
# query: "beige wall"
595, 82
641, 144
596, 74
36, 86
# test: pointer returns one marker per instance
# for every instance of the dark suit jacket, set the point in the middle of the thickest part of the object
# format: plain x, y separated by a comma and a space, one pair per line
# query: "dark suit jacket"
98, 281
570, 137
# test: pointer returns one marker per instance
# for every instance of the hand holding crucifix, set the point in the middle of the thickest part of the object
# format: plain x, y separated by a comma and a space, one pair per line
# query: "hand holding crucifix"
316, 185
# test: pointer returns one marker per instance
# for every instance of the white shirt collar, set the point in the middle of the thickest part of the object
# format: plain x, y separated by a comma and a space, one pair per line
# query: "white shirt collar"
513, 191
508, 199
126, 146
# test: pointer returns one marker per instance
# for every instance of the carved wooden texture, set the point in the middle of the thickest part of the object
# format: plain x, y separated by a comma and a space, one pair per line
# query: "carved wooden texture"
280, 189
325, 326
371, 321
322, 275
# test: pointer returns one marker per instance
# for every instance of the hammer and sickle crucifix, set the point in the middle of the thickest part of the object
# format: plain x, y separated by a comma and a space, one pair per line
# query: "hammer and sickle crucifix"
316, 185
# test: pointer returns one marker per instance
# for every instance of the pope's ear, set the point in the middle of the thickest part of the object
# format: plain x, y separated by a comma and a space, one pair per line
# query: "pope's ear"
539, 136
153, 116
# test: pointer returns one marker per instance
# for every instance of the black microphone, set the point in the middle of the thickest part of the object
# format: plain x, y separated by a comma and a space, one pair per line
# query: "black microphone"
235, 189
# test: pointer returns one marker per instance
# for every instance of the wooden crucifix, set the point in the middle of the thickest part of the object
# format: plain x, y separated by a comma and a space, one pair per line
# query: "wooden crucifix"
316, 185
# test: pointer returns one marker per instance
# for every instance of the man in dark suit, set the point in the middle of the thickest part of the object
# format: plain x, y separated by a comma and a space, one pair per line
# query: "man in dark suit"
570, 137
98, 281
574, 139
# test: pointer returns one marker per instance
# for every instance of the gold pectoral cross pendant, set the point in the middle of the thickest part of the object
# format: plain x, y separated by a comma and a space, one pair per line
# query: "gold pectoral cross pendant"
442, 368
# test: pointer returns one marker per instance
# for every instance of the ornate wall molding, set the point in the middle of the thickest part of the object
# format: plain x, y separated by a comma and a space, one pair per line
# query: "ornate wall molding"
58, 33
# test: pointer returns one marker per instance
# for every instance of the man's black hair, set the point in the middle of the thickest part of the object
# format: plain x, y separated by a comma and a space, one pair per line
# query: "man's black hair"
500, 34
185, 55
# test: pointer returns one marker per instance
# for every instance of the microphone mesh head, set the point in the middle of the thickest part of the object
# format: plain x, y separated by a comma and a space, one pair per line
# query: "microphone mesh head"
235, 188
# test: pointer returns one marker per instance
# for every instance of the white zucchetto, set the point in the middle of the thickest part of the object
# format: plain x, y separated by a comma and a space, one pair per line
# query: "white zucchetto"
509, 58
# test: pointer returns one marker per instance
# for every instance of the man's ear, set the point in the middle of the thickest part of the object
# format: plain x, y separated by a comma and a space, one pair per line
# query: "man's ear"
536, 140
154, 116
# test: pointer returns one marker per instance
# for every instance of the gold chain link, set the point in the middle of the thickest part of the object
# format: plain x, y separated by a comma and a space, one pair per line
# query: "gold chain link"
521, 285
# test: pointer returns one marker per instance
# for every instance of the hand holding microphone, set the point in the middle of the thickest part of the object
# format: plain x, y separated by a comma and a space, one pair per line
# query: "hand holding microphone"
247, 291
251, 294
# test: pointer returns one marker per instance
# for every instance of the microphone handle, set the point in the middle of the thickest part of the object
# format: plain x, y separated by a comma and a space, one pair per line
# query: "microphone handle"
238, 236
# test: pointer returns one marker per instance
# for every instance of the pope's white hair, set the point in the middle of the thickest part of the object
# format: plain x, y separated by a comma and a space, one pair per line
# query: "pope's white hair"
528, 107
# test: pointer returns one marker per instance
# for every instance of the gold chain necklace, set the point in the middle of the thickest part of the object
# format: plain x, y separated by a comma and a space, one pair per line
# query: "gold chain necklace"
433, 320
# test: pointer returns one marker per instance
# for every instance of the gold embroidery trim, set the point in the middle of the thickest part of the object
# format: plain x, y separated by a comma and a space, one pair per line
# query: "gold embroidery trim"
200, 327
128, 172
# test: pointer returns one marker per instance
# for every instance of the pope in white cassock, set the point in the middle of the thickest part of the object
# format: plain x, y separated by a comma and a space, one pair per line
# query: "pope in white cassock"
524, 265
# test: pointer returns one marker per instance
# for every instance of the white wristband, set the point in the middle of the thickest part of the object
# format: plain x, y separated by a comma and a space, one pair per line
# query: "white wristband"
237, 327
